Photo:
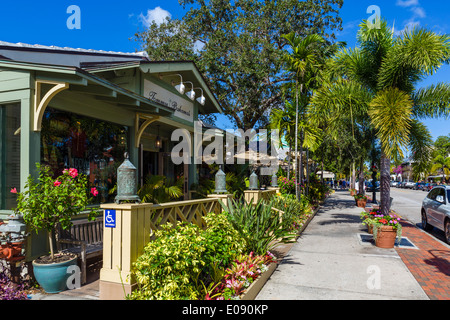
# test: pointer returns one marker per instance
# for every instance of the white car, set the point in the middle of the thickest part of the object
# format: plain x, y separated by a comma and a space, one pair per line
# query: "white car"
436, 210
409, 184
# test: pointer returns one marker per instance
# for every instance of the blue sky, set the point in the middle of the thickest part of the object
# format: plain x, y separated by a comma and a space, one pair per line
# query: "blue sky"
109, 25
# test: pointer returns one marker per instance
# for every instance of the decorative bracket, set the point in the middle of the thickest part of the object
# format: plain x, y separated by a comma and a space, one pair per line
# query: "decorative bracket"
41, 103
139, 129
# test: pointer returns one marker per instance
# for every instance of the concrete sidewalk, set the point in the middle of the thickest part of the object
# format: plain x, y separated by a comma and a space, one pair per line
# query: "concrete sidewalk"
331, 261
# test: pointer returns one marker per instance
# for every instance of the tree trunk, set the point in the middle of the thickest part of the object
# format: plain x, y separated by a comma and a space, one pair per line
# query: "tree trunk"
289, 163
353, 175
50, 242
307, 172
385, 187
361, 178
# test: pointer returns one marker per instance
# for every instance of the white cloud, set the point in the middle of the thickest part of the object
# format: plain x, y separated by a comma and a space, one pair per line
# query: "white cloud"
158, 15
419, 12
407, 3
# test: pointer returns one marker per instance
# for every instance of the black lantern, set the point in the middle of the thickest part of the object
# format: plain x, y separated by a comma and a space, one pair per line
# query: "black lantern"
158, 141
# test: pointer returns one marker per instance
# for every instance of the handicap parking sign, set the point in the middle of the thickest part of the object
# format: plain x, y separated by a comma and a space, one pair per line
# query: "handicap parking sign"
110, 218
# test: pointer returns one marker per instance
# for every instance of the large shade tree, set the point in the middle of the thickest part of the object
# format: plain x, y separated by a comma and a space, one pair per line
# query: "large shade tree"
238, 47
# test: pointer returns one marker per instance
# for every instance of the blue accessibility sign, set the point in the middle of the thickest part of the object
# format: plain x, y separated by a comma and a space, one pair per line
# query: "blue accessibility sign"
110, 218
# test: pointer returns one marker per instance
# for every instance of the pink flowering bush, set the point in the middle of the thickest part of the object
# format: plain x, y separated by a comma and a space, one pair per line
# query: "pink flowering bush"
240, 275
287, 186
48, 202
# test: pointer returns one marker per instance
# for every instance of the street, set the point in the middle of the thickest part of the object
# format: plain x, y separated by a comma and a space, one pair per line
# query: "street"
408, 203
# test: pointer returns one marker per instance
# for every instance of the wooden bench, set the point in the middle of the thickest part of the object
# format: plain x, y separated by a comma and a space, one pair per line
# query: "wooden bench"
85, 239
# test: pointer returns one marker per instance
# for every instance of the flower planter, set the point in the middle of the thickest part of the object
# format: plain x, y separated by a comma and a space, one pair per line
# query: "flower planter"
385, 237
52, 277
361, 203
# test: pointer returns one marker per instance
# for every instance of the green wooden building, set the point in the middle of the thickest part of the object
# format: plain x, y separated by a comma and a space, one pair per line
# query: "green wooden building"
84, 108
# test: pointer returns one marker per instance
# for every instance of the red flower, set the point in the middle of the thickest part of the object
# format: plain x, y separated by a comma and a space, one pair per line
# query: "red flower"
14, 190
73, 172
383, 221
94, 192
57, 183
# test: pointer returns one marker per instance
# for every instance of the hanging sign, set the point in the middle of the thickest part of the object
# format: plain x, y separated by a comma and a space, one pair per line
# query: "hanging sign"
183, 109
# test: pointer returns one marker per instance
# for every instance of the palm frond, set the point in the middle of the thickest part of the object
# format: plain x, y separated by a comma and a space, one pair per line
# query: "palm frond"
432, 101
390, 112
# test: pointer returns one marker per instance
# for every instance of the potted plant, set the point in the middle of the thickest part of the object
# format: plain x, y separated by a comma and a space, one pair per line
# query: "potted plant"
368, 219
352, 192
47, 204
360, 200
386, 228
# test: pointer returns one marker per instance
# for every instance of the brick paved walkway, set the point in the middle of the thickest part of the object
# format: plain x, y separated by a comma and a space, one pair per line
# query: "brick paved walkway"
430, 264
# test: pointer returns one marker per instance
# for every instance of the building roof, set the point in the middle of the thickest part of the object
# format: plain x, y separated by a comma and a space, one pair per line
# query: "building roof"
64, 55
94, 62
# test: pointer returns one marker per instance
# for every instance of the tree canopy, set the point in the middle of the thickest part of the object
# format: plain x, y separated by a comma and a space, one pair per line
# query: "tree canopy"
238, 46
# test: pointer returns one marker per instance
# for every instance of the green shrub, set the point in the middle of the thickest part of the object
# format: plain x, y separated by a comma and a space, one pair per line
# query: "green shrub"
180, 258
222, 241
295, 211
262, 227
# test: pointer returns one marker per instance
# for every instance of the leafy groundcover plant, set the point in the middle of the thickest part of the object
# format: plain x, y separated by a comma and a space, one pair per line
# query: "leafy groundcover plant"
182, 261
9, 290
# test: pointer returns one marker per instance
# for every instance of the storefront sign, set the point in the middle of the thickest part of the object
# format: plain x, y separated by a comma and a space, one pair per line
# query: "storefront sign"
183, 109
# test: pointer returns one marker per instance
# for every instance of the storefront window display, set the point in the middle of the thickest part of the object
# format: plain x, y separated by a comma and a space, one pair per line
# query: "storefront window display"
9, 154
94, 147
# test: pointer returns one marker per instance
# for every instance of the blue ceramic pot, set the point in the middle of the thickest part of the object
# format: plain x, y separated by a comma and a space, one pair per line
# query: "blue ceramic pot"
53, 277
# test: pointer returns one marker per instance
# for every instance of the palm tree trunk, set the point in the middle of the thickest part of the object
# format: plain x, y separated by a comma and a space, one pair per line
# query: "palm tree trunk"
353, 175
289, 162
385, 187
361, 177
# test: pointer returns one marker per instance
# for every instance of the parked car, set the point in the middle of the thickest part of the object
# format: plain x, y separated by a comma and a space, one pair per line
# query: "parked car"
394, 183
418, 185
409, 184
400, 184
436, 210
369, 187
430, 186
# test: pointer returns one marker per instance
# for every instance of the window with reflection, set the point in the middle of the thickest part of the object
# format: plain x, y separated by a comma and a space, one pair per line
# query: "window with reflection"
9, 155
92, 146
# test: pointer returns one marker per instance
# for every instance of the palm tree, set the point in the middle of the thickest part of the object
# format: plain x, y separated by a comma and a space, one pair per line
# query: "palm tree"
441, 163
382, 73
305, 60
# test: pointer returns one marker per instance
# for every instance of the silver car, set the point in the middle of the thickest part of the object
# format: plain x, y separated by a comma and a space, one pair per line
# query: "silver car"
436, 210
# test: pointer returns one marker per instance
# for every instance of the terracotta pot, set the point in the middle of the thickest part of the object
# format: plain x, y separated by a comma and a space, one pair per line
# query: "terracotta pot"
386, 236
10, 250
361, 203
353, 193
370, 228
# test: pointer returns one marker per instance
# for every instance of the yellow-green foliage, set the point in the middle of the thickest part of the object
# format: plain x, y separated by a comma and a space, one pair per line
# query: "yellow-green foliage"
172, 264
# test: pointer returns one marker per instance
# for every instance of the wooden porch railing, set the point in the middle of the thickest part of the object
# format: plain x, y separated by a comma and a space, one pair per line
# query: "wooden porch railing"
134, 225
